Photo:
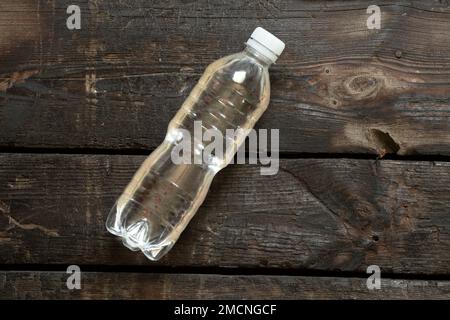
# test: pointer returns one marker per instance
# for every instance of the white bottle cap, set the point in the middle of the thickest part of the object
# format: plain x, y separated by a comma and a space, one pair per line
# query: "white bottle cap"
266, 43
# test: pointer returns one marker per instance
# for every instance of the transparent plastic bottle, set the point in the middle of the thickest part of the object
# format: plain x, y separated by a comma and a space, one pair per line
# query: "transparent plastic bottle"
163, 196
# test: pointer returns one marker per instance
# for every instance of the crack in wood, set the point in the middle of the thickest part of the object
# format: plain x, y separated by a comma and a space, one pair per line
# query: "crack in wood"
28, 226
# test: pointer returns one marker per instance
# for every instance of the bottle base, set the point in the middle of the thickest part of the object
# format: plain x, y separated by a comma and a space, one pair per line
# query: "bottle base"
138, 235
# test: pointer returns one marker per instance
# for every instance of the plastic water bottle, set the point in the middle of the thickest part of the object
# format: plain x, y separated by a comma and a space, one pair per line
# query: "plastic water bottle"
163, 196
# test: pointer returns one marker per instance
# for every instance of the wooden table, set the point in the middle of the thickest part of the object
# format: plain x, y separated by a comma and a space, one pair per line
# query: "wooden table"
364, 119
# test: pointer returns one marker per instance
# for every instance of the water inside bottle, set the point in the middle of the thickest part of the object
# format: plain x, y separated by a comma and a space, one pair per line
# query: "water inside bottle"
163, 197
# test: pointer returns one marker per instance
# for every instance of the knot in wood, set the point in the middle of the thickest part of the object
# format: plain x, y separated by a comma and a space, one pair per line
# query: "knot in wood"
362, 86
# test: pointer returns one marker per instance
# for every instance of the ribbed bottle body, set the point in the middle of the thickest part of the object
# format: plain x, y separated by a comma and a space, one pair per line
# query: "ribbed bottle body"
165, 193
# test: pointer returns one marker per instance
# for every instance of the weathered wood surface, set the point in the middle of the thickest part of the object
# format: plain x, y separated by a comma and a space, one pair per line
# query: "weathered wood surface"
115, 83
329, 214
52, 285
338, 88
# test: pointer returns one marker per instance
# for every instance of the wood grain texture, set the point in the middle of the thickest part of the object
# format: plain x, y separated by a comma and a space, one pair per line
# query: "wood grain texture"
52, 285
315, 214
114, 84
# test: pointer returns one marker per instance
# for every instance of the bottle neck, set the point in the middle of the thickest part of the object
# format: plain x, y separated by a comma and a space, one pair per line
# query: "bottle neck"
262, 59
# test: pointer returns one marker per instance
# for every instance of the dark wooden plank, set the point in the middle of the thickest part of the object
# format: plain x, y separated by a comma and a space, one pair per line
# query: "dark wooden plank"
116, 83
97, 285
328, 214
